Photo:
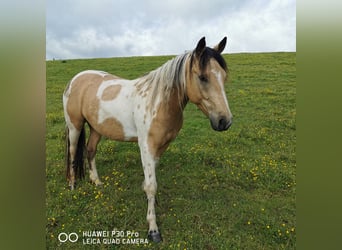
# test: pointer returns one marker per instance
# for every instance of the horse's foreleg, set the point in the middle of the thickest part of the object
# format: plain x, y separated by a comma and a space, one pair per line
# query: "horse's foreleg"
93, 140
150, 187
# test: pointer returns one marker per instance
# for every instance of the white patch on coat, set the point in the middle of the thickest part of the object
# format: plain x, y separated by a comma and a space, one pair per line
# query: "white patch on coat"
120, 108
105, 85
219, 78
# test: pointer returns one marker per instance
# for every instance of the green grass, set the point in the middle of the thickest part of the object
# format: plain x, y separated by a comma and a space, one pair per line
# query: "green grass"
229, 190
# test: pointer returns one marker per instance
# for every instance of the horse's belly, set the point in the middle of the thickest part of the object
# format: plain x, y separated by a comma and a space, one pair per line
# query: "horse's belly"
115, 130
115, 121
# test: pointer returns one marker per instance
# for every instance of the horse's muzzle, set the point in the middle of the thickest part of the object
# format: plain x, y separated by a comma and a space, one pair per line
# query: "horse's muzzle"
221, 124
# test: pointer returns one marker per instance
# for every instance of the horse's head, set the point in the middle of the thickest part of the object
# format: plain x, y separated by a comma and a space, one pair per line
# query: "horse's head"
205, 84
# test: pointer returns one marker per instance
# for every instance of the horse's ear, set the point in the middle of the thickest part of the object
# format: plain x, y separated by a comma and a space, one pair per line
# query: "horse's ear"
200, 47
220, 47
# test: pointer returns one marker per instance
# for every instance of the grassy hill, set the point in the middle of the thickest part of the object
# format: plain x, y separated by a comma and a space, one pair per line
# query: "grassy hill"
230, 190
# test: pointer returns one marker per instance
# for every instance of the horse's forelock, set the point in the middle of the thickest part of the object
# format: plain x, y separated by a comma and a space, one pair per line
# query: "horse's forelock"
207, 54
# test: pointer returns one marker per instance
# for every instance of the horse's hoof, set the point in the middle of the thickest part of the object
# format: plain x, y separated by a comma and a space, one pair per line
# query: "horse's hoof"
72, 186
98, 182
155, 236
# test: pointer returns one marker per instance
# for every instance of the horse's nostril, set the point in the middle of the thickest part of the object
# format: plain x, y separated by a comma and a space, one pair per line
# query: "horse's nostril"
224, 124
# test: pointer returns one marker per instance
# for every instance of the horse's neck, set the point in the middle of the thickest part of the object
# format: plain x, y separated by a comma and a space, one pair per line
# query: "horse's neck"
173, 100
175, 105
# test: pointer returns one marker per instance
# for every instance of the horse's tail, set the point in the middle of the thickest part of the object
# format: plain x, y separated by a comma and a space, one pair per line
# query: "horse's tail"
78, 163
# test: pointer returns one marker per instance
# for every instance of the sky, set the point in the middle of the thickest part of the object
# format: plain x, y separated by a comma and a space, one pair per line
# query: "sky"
119, 28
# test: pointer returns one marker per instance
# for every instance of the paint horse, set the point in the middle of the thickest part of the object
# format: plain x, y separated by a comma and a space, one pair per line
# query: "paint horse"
147, 110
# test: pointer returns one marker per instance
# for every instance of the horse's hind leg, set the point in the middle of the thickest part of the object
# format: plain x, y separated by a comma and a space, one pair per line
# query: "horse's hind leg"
72, 161
93, 140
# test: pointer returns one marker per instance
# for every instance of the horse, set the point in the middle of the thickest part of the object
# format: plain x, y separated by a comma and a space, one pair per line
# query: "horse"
147, 110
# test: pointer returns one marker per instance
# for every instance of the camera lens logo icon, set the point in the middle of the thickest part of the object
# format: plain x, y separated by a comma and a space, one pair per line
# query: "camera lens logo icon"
64, 237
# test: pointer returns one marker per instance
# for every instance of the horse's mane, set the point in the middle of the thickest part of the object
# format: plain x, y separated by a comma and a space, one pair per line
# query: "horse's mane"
158, 84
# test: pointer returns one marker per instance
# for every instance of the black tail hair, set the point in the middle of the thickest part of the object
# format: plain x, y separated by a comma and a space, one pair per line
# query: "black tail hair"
78, 163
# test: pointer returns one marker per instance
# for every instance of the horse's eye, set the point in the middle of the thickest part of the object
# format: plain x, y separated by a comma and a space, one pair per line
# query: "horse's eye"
203, 78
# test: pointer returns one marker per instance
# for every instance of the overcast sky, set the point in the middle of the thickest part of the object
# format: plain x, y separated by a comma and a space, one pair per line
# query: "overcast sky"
115, 28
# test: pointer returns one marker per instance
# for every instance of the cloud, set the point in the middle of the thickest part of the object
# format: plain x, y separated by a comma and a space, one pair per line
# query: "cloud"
104, 28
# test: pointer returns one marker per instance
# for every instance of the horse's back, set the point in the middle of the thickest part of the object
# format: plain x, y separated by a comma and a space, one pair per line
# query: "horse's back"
86, 81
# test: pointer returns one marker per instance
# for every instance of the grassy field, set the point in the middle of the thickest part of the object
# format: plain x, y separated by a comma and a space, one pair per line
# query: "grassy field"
229, 190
